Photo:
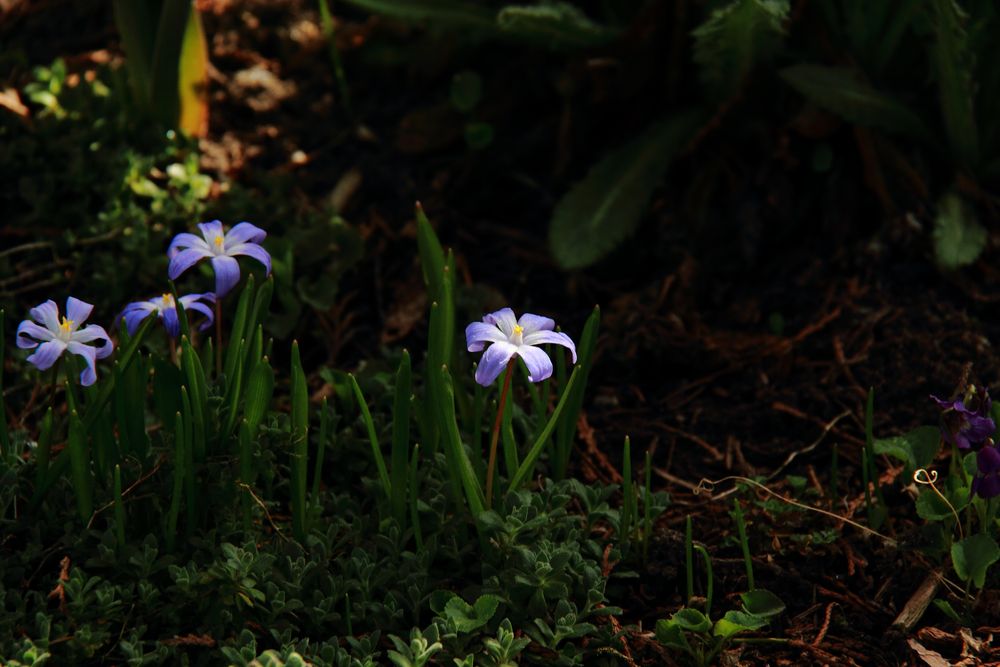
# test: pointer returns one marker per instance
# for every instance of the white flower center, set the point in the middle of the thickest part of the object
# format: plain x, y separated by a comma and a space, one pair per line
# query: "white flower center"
517, 337
219, 245
66, 328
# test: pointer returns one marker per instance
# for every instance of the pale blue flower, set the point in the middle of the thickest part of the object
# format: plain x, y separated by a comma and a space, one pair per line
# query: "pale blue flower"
509, 337
49, 336
186, 250
165, 307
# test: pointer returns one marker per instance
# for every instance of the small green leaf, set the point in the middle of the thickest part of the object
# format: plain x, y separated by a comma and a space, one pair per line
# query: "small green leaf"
735, 38
973, 556
735, 622
841, 91
763, 603
554, 24
959, 239
468, 618
691, 620
916, 448
600, 211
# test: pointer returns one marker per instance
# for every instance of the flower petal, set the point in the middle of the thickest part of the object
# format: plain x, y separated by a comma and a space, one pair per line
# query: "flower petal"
171, 322
227, 274
185, 259
210, 230
244, 232
78, 311
494, 360
93, 332
988, 486
47, 314
186, 240
46, 354
135, 313
478, 334
503, 318
251, 250
197, 306
89, 354
554, 337
988, 460
29, 335
538, 363
531, 323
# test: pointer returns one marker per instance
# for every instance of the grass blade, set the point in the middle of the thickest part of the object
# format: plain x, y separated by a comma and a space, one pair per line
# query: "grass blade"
300, 445
383, 473
83, 479
401, 438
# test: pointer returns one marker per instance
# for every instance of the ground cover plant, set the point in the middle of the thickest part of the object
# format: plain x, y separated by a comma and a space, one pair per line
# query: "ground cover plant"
684, 357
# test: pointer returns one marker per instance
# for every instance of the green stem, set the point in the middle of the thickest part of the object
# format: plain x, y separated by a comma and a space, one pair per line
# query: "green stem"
491, 465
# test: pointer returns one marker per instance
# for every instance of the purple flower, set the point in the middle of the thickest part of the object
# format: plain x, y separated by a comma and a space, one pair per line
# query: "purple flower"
509, 337
166, 309
966, 421
56, 336
186, 250
987, 481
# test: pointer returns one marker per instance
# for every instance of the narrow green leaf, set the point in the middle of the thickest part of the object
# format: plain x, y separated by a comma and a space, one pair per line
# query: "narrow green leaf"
234, 392
383, 473
401, 438
603, 209
953, 65
300, 445
119, 509
137, 28
528, 464
411, 485
83, 479
239, 330
178, 481
194, 378
431, 256
459, 464
566, 426
4, 434
324, 432
260, 389
841, 91
627, 515
165, 70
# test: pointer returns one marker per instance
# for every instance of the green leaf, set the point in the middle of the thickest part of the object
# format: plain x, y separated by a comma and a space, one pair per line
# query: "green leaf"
300, 444
528, 464
171, 27
566, 427
735, 39
670, 634
455, 14
952, 63
383, 473
763, 603
600, 211
841, 91
916, 448
691, 620
460, 468
959, 239
400, 454
260, 389
735, 622
973, 556
83, 478
931, 507
468, 618
556, 25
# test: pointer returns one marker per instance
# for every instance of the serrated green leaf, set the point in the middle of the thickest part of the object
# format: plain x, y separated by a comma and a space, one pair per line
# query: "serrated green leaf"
600, 211
953, 64
735, 39
556, 25
841, 91
973, 556
468, 618
959, 239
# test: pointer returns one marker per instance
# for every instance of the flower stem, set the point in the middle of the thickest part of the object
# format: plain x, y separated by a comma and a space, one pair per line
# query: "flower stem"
496, 433
218, 337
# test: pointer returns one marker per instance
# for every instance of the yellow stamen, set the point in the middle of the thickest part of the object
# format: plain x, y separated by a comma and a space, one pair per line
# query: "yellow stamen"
518, 329
168, 299
66, 325
219, 241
